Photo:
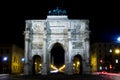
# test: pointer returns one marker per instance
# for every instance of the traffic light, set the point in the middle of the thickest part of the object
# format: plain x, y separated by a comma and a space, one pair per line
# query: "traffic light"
110, 66
101, 61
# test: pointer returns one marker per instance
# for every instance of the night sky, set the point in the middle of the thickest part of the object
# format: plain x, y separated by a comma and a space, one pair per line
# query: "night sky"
104, 17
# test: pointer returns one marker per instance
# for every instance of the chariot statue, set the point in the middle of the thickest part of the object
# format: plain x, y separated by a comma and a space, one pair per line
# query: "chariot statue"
57, 11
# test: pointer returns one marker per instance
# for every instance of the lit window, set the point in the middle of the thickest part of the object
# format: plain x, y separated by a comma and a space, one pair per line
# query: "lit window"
15, 59
106, 68
116, 60
100, 67
110, 50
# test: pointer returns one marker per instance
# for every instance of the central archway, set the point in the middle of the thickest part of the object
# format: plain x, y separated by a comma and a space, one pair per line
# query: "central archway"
57, 58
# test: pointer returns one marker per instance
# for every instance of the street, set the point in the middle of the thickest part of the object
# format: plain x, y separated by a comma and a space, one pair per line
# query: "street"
4, 77
60, 77
111, 76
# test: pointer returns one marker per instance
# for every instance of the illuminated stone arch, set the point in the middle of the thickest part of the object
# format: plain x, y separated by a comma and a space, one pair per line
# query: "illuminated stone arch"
40, 39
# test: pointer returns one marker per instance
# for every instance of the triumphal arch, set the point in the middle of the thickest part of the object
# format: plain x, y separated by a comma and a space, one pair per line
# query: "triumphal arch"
71, 36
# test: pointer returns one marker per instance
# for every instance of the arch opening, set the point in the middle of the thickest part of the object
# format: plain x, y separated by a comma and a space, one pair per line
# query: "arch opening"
57, 58
37, 64
77, 64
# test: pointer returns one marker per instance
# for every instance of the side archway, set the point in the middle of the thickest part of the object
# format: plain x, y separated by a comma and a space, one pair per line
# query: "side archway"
37, 64
77, 64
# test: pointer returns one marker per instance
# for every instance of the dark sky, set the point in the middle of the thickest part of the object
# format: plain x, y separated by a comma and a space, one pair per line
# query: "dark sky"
104, 17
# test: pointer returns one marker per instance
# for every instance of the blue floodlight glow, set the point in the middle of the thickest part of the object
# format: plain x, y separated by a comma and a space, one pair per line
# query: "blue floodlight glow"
5, 58
118, 38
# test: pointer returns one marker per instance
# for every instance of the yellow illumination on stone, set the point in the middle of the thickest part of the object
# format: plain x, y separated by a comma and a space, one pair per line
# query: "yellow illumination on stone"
74, 64
62, 67
78, 62
53, 67
94, 63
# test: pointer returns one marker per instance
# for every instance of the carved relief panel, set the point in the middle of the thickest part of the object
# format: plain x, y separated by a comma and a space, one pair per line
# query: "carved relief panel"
38, 27
77, 45
75, 29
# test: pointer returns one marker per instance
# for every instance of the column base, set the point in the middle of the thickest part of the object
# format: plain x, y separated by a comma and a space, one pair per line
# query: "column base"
69, 69
44, 70
27, 69
86, 68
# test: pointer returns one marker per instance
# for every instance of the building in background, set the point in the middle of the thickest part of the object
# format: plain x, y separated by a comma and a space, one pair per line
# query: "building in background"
11, 58
105, 57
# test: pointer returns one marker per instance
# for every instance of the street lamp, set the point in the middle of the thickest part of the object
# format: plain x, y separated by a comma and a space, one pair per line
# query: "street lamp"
22, 59
5, 58
117, 51
118, 39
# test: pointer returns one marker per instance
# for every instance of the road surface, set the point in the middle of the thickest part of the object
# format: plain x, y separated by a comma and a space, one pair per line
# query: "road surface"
60, 77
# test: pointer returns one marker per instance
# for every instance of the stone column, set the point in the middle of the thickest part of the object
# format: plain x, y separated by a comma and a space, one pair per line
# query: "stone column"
87, 49
44, 63
48, 61
86, 63
66, 62
69, 65
28, 63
